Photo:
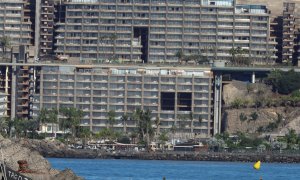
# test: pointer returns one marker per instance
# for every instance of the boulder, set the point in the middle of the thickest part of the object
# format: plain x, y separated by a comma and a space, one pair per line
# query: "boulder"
37, 166
67, 174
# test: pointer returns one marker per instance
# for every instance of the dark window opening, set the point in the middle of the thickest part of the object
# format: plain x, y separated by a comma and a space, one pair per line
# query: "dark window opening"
167, 101
142, 33
184, 101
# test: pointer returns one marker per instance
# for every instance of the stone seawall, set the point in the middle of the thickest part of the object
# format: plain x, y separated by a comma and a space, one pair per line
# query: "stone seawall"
207, 157
59, 150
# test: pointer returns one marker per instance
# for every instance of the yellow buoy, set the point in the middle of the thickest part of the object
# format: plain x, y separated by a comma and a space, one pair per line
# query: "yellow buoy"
256, 165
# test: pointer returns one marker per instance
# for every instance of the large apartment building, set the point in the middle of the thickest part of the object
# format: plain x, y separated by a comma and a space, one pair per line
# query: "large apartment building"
15, 21
45, 28
170, 93
16, 85
156, 30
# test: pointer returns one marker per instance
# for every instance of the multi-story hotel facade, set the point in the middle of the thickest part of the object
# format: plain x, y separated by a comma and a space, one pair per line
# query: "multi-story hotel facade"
172, 94
156, 30
15, 21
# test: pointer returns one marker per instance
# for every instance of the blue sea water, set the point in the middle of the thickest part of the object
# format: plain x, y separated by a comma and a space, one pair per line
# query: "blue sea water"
98, 169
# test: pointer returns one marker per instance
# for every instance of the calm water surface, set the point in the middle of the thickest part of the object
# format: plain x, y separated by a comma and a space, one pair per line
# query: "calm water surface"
97, 169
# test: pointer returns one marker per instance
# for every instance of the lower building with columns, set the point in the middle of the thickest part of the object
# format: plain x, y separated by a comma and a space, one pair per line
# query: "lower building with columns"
172, 94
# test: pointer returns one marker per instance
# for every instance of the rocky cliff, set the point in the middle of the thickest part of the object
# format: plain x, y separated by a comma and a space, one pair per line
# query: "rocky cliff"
40, 168
266, 116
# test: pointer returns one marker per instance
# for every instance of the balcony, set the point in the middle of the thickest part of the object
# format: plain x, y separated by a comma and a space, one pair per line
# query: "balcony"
23, 90
24, 97
22, 112
24, 82
24, 76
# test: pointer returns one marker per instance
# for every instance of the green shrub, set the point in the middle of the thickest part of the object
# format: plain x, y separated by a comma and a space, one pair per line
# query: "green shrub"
124, 140
260, 129
295, 94
239, 103
254, 116
271, 126
61, 139
243, 117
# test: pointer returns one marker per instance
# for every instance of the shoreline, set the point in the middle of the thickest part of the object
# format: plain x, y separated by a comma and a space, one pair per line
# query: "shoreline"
57, 149
180, 156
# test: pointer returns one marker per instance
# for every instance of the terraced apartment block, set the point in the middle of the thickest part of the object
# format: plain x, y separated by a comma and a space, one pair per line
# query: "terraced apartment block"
156, 30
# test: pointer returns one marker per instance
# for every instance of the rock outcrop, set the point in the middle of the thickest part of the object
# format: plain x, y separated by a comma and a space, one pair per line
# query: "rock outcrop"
234, 90
40, 168
49, 148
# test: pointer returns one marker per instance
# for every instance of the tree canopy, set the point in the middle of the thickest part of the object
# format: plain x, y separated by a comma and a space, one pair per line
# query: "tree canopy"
72, 119
144, 125
284, 82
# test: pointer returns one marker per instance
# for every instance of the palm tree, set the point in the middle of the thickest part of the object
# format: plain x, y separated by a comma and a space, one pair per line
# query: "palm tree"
136, 117
182, 122
191, 117
111, 119
5, 43
30, 125
237, 55
4, 125
64, 124
180, 55
157, 123
133, 136
19, 126
147, 126
43, 115
85, 133
42, 118
163, 137
144, 125
125, 118
53, 118
173, 130
73, 117
113, 39
48, 116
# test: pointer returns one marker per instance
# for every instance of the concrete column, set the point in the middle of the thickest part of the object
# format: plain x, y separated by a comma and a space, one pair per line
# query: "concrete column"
217, 103
253, 77
91, 101
6, 79
13, 92
34, 79
13, 97
6, 88
37, 28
